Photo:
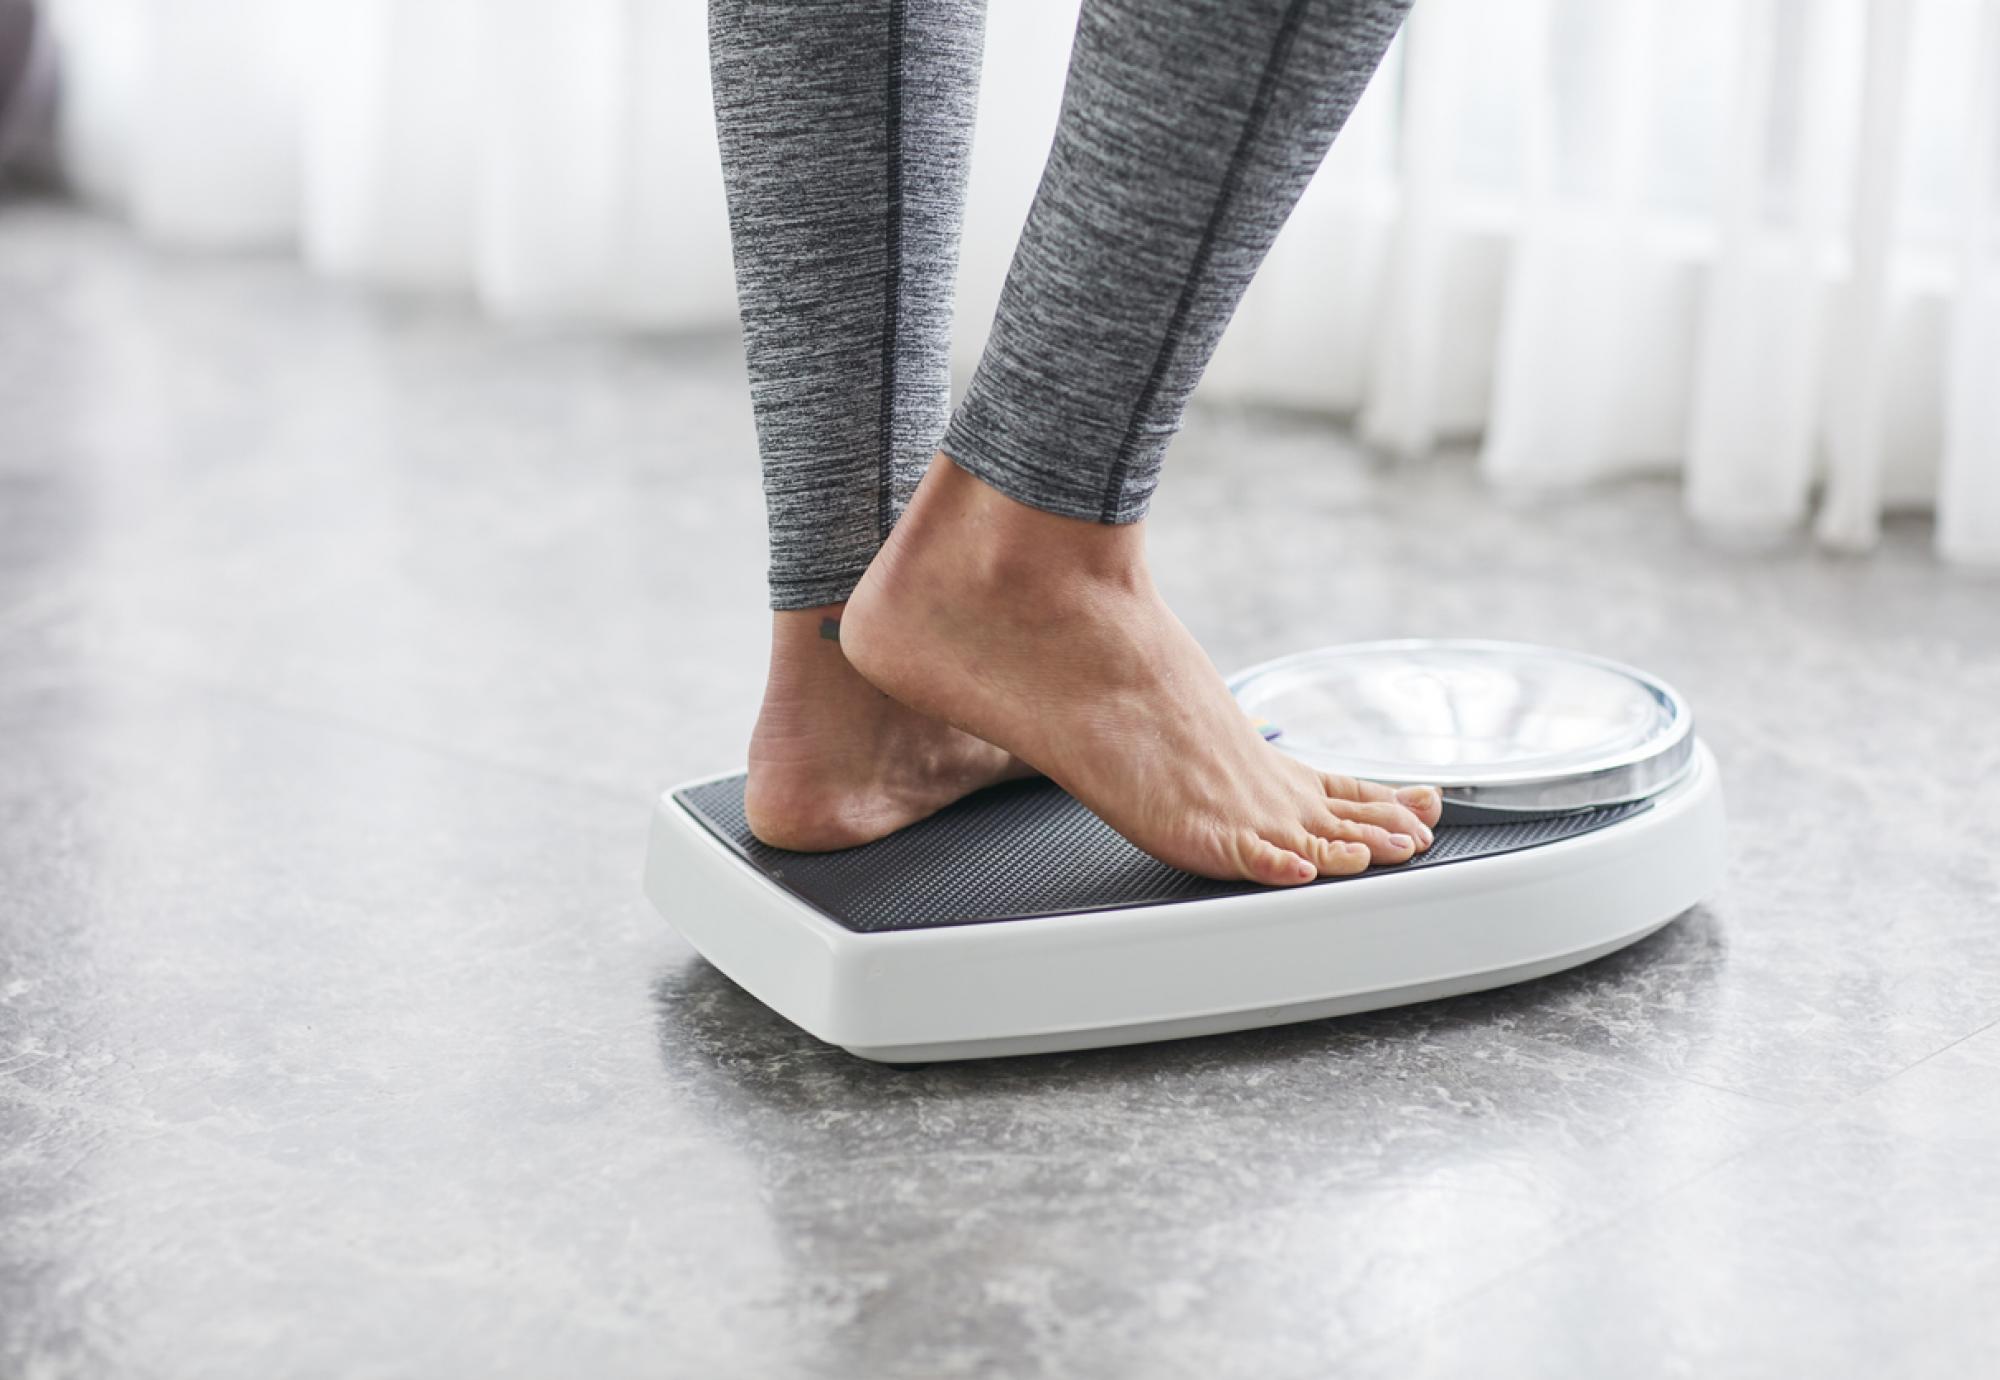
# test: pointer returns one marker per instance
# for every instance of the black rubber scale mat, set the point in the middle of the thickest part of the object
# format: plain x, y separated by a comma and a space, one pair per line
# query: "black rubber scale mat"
1026, 850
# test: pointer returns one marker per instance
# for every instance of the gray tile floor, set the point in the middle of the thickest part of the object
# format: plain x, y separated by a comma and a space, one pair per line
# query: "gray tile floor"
343, 644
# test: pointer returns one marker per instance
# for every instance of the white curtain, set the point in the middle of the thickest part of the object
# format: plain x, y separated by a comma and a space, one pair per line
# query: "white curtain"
1753, 242
555, 157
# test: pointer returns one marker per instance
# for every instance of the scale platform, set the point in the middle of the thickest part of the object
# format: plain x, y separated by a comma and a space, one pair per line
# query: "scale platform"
1581, 814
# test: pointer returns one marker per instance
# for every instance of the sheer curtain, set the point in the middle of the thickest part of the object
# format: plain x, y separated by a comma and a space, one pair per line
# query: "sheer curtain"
554, 157
1752, 242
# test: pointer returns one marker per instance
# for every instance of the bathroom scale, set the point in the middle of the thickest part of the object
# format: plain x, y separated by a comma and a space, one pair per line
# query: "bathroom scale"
1581, 813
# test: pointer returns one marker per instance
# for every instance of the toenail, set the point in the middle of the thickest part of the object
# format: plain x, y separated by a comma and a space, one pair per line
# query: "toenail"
1402, 841
1422, 797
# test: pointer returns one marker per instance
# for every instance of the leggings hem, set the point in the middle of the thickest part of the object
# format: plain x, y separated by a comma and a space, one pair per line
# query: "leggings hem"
1045, 488
792, 594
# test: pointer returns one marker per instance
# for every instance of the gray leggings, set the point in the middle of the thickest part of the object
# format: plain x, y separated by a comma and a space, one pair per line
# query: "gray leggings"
1189, 129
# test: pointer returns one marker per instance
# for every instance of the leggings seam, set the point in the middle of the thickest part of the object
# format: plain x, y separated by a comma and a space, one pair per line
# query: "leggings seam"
1260, 108
893, 275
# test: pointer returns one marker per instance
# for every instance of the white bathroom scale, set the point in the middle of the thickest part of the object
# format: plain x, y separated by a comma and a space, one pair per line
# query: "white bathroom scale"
1581, 814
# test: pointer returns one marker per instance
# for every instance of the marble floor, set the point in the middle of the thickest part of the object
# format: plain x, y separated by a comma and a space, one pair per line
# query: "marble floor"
343, 645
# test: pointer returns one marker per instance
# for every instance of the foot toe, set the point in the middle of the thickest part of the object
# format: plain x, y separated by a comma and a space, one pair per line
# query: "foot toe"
1387, 816
1264, 861
1422, 801
1351, 788
1426, 802
1336, 857
1384, 845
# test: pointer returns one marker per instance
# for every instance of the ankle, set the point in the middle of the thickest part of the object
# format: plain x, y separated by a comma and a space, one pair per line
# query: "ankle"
806, 658
809, 637
959, 520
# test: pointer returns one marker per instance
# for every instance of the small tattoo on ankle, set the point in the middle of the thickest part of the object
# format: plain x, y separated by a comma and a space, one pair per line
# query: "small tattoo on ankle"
829, 628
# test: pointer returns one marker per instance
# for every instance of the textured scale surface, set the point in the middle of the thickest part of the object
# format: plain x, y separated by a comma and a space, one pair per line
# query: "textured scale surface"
1027, 849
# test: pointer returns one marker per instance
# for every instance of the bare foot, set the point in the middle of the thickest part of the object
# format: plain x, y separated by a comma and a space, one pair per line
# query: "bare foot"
834, 762
1044, 635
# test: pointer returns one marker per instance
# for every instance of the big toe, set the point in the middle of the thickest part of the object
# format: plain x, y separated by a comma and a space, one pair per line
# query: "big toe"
1425, 802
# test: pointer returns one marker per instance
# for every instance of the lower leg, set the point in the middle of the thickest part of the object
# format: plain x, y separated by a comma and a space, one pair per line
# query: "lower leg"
844, 132
1189, 130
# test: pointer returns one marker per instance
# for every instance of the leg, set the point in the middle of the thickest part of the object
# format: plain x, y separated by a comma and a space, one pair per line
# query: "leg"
1189, 130
844, 132
1014, 600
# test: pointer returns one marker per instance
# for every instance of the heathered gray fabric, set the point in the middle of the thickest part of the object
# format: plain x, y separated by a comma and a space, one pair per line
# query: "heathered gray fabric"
1189, 129
844, 130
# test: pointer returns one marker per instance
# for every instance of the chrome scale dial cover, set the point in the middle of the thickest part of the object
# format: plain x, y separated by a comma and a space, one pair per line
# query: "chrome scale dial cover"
1500, 727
